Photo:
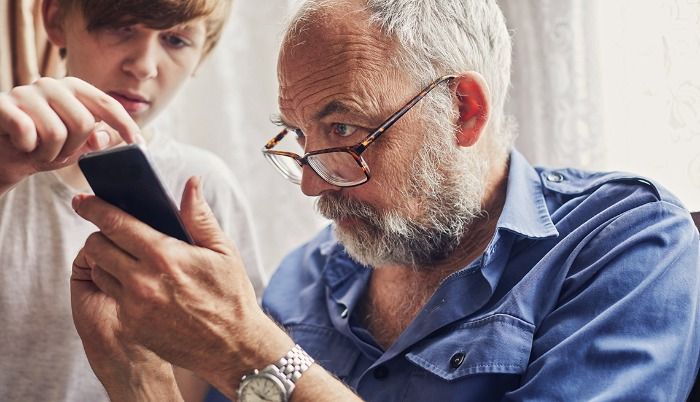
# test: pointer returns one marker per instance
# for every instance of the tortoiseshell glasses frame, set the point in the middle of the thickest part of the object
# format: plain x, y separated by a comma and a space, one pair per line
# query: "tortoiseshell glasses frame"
314, 158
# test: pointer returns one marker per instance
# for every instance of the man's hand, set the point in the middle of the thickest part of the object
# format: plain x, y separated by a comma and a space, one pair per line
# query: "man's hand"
49, 124
128, 371
192, 305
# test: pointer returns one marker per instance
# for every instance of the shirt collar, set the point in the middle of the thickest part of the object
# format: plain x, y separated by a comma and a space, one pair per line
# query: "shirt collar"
524, 214
525, 211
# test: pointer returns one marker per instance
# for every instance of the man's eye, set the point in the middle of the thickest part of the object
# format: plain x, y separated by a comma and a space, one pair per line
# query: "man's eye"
175, 41
343, 130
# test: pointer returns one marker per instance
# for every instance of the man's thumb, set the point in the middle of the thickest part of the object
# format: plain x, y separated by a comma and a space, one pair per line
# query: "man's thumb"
199, 220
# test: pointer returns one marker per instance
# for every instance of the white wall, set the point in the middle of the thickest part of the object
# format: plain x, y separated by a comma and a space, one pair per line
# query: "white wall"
651, 99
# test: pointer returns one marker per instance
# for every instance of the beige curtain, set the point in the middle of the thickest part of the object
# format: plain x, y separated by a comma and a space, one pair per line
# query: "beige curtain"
25, 52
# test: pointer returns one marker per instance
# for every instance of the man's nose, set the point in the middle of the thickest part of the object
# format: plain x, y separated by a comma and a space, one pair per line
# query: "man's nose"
313, 185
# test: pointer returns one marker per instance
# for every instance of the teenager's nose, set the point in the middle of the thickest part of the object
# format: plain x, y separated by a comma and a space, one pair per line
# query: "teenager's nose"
142, 62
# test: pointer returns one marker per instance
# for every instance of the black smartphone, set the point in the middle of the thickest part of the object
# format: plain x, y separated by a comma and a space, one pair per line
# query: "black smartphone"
125, 178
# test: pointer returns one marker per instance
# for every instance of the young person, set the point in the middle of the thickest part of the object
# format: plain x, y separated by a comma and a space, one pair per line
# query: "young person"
125, 60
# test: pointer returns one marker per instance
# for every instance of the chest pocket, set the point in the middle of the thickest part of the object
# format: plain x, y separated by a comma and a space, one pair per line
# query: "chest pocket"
496, 344
331, 350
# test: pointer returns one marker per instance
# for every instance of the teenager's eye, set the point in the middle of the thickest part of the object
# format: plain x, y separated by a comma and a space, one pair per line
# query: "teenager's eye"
343, 130
175, 41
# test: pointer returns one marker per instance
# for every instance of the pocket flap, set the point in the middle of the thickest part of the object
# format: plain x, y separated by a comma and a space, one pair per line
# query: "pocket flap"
498, 343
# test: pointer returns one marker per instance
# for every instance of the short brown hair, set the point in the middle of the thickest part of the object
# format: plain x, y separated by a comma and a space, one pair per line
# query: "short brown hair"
155, 14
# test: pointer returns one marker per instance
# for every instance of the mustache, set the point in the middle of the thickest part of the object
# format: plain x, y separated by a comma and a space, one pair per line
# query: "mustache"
335, 206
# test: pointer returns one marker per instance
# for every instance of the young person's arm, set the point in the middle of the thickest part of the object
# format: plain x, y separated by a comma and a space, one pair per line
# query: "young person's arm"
128, 371
47, 125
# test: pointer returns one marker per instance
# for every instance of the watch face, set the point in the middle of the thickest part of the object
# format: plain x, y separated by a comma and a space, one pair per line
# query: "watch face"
261, 388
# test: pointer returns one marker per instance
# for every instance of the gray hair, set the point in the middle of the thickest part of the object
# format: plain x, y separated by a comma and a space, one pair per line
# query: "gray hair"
438, 37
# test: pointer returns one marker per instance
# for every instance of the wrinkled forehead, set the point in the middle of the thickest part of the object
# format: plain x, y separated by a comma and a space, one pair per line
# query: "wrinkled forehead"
335, 53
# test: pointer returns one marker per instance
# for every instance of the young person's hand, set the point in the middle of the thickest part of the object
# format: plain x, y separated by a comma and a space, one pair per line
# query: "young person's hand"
128, 371
50, 123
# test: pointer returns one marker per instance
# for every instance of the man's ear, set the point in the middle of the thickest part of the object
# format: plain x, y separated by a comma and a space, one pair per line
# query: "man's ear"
474, 102
53, 22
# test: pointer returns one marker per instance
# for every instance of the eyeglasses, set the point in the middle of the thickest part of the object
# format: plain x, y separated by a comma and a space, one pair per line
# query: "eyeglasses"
339, 166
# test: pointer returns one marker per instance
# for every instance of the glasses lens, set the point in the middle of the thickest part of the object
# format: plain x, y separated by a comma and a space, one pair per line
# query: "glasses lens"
338, 168
286, 165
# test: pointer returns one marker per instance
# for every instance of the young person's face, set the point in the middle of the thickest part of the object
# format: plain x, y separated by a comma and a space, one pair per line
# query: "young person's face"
142, 68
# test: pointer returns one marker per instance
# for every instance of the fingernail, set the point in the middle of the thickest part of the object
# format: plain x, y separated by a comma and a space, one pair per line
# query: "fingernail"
77, 199
200, 191
138, 139
102, 139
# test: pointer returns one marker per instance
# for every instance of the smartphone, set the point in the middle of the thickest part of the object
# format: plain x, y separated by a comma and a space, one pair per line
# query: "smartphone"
125, 178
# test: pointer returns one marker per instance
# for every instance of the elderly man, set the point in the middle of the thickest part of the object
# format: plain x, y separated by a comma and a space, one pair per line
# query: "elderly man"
453, 270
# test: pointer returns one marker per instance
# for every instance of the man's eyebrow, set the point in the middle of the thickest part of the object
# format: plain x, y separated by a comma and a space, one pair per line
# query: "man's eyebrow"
332, 107
337, 106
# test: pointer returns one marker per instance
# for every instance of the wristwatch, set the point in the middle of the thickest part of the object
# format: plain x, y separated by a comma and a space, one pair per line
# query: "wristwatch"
275, 382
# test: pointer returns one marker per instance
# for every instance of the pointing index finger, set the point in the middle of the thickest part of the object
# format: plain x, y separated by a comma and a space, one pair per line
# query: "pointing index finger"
107, 109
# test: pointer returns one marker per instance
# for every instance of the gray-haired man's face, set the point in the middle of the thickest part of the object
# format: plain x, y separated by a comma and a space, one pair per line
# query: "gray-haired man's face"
337, 73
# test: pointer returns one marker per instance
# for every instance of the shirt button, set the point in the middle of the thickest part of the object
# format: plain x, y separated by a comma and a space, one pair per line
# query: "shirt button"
344, 313
381, 372
457, 360
555, 177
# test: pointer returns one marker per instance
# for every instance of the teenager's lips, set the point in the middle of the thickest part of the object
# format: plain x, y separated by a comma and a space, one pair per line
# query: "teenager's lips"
132, 102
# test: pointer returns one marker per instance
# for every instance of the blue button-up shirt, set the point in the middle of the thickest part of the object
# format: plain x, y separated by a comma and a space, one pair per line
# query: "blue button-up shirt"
589, 290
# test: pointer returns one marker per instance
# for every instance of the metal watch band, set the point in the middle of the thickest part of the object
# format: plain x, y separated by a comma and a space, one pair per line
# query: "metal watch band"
294, 363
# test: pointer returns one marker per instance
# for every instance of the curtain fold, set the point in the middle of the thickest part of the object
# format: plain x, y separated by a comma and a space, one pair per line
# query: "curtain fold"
25, 52
556, 89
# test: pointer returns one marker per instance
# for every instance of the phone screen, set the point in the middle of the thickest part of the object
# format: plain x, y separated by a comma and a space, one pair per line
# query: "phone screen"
124, 177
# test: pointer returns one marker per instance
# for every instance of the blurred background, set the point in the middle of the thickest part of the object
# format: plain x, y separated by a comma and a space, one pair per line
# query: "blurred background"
597, 84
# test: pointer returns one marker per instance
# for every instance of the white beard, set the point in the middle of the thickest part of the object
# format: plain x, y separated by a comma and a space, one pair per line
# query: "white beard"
448, 183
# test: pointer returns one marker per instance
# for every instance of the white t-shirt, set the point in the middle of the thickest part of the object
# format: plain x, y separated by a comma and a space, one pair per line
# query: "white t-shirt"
41, 355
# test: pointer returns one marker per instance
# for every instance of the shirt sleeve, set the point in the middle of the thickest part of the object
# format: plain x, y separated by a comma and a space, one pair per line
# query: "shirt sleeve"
625, 325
